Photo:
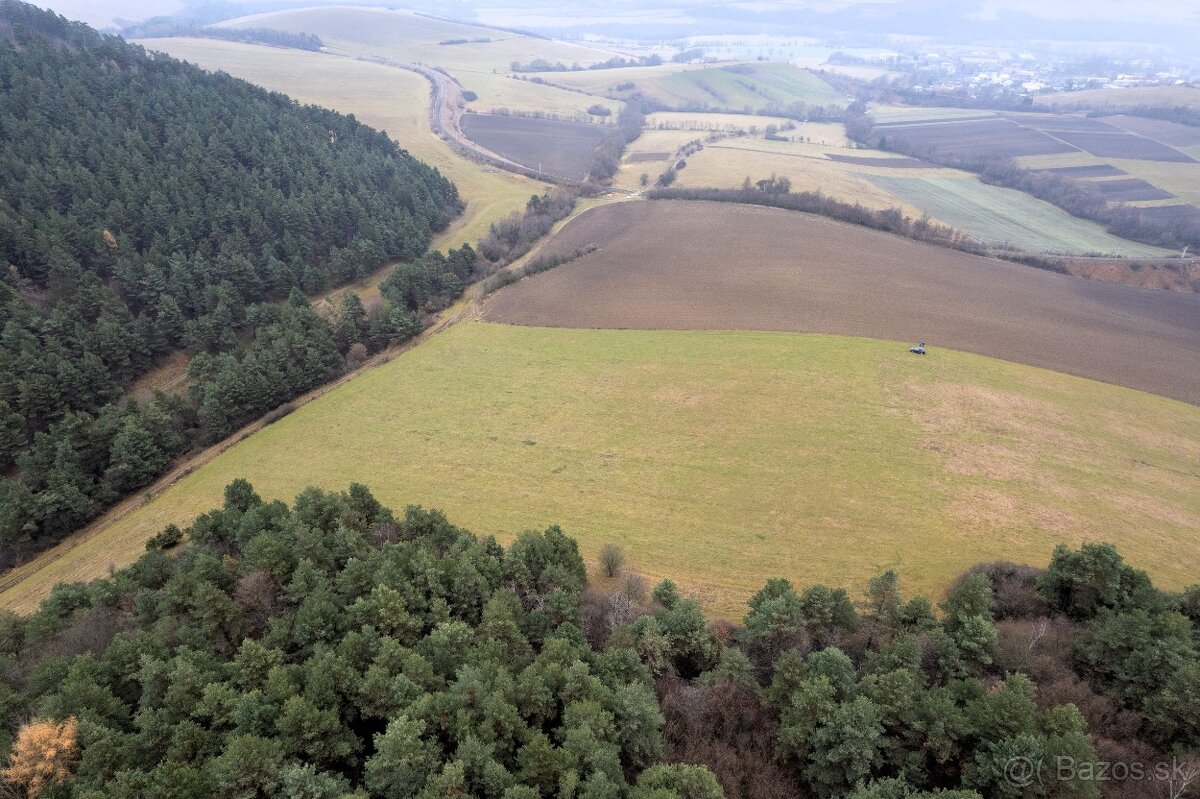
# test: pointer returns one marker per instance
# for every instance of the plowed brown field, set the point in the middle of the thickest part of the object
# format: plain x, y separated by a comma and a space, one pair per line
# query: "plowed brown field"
682, 265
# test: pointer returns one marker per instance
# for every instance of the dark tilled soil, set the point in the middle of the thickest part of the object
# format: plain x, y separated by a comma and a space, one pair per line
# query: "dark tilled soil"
1171, 133
1130, 190
1086, 171
642, 158
1122, 145
683, 265
1061, 122
893, 163
558, 149
996, 137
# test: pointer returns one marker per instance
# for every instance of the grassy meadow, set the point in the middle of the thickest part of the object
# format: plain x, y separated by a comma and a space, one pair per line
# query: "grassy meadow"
481, 66
409, 36
1180, 179
884, 114
1000, 216
1107, 99
725, 164
989, 213
722, 459
739, 87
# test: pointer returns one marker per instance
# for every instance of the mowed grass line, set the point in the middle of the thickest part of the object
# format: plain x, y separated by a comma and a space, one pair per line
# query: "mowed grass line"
723, 458
392, 100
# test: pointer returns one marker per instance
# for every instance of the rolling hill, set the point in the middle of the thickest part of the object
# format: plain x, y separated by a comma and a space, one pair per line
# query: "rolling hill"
150, 207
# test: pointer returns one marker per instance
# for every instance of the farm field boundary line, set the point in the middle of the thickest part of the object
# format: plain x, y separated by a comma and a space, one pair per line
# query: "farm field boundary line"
808, 273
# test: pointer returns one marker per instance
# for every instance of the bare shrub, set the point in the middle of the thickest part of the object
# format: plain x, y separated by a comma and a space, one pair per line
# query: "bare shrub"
258, 592
1040, 648
89, 632
725, 727
633, 588
275, 414
382, 534
612, 558
357, 355
1014, 589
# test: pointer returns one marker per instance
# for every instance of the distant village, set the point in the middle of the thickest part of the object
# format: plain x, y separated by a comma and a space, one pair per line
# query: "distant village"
988, 72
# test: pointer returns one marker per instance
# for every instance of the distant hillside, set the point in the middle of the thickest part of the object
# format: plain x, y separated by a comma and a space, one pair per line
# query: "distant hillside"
145, 207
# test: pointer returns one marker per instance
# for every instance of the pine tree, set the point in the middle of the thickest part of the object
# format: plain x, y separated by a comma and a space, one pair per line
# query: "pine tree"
352, 327
12, 434
168, 324
135, 458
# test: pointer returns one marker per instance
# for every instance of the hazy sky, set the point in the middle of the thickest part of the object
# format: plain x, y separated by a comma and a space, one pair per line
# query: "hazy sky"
101, 13
1177, 21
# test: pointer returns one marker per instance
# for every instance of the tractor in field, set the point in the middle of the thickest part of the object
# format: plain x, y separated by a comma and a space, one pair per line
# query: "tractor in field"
918, 350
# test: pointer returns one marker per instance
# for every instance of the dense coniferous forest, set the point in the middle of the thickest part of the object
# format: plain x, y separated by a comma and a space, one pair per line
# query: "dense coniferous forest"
334, 648
148, 207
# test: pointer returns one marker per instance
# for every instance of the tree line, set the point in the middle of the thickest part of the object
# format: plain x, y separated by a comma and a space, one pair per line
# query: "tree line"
334, 648
616, 62
149, 208
171, 28
607, 158
511, 237
776, 192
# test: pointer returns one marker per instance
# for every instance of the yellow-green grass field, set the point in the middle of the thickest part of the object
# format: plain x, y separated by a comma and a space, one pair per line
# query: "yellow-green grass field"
390, 99
605, 81
662, 143
857, 72
753, 88
904, 113
825, 134
725, 164
723, 459
989, 213
1180, 179
701, 121
999, 217
482, 67
408, 36
1160, 96
501, 91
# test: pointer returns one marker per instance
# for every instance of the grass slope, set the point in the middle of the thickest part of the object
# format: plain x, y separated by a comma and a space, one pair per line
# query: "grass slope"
752, 88
1154, 96
481, 66
724, 458
953, 197
1005, 216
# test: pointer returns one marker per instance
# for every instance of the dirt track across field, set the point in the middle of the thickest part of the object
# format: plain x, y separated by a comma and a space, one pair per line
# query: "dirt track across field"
683, 265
